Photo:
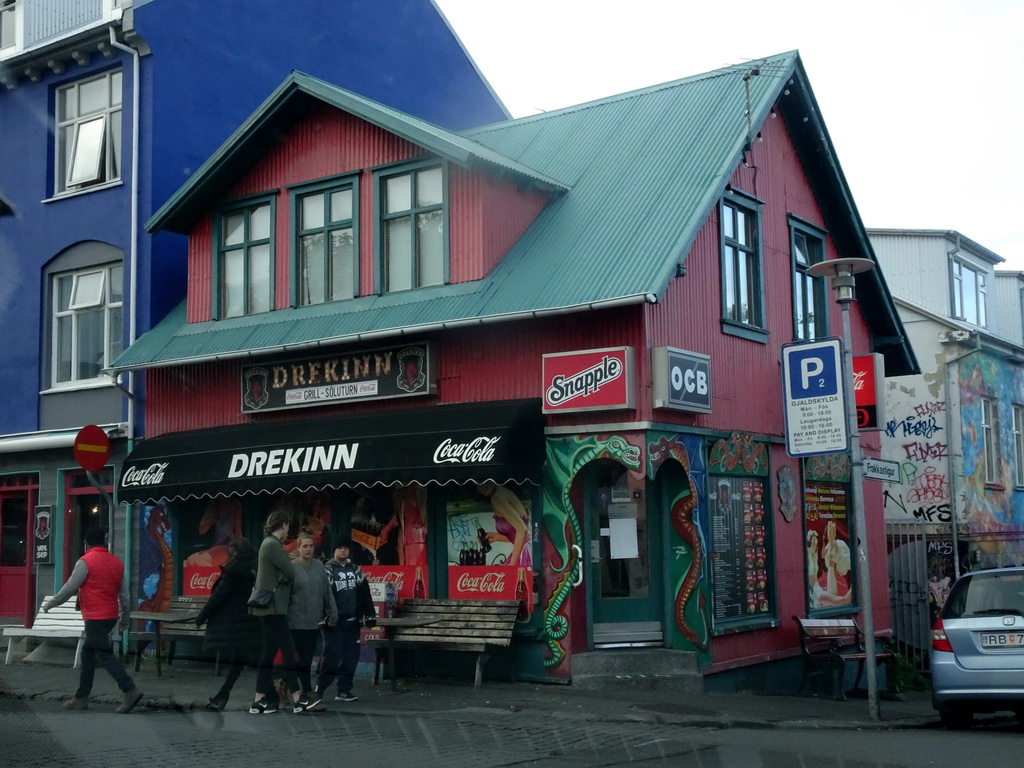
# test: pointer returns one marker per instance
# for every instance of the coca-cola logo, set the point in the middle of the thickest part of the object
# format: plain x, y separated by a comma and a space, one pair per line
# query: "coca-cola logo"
475, 451
489, 582
198, 581
151, 475
586, 382
394, 576
859, 379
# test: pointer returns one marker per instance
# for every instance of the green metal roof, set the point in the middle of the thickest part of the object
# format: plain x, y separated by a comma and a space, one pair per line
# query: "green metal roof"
642, 171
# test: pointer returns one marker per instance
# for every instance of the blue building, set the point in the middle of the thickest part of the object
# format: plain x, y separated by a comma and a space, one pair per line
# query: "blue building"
106, 108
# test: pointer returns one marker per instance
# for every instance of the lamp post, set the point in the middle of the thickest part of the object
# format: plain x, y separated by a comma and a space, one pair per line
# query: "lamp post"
841, 272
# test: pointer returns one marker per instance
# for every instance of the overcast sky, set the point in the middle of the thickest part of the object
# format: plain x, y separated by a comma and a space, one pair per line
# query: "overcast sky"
923, 99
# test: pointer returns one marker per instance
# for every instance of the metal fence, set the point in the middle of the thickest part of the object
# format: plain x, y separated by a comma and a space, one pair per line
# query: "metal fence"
909, 590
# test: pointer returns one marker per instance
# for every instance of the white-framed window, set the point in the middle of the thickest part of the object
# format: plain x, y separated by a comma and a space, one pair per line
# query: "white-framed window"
810, 308
412, 228
87, 325
326, 243
742, 290
969, 293
1018, 443
88, 133
245, 260
8, 24
990, 439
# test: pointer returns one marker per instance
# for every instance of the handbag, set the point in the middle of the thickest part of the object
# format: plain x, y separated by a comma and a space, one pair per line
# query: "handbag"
261, 598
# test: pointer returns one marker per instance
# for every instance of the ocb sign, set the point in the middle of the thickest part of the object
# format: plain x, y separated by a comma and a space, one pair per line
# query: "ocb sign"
681, 379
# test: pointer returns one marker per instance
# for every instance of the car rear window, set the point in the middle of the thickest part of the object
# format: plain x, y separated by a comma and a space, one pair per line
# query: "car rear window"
980, 594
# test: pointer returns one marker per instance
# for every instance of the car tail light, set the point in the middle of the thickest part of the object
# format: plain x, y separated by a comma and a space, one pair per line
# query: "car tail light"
939, 640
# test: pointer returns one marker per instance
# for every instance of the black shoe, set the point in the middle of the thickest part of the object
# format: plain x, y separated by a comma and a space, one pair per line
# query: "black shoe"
346, 696
263, 707
217, 703
300, 706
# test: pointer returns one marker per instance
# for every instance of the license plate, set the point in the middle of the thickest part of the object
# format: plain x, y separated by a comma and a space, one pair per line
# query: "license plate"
1002, 639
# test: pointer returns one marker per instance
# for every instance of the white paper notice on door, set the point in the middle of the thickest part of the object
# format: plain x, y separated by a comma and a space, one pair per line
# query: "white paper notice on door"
622, 538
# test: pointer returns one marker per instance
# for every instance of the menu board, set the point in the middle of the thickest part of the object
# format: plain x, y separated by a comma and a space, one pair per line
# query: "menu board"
740, 547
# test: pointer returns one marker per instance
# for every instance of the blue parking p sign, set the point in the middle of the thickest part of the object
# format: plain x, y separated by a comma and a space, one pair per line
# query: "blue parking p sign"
816, 419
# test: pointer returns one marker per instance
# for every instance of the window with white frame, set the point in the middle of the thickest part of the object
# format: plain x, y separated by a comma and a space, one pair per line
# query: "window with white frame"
810, 313
245, 280
88, 327
990, 439
1018, 442
412, 229
326, 244
8, 24
742, 292
88, 133
968, 293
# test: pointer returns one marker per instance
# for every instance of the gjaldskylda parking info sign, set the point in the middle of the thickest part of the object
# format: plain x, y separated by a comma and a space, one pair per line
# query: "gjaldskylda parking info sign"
815, 399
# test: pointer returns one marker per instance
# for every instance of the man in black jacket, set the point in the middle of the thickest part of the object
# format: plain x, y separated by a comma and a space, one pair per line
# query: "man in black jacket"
355, 610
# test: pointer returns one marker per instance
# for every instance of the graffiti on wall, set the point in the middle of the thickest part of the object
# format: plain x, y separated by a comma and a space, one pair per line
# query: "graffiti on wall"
916, 438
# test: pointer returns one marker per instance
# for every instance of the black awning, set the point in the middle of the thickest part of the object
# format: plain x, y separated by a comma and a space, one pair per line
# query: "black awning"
446, 443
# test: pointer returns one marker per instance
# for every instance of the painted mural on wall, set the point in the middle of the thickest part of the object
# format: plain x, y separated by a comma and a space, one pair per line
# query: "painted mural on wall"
687, 568
563, 528
994, 512
156, 562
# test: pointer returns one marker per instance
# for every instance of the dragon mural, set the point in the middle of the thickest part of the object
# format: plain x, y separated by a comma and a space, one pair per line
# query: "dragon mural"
691, 620
562, 523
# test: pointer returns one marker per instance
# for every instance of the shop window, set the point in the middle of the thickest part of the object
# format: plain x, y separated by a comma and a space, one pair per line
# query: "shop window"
88, 322
244, 260
389, 539
829, 545
489, 531
13, 531
88, 133
412, 229
84, 508
326, 237
742, 567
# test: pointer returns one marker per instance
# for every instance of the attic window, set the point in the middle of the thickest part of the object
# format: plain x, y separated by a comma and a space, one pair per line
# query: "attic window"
412, 229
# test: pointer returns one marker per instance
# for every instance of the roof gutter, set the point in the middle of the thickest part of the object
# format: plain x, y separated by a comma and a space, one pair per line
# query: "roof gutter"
447, 325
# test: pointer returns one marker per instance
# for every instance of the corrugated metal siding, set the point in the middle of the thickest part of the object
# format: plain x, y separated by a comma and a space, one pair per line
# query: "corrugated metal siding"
45, 19
917, 269
1008, 306
200, 272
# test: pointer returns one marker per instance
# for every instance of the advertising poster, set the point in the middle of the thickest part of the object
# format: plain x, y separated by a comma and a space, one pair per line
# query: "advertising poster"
829, 550
389, 540
490, 548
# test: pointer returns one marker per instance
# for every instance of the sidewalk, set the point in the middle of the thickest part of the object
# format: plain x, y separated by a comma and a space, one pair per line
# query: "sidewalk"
188, 684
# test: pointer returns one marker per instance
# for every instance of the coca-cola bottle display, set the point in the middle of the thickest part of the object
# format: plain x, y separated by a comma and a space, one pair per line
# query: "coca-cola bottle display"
523, 614
418, 589
390, 599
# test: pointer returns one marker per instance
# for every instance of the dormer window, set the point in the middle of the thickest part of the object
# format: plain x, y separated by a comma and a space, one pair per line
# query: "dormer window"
969, 296
8, 22
245, 274
412, 228
326, 219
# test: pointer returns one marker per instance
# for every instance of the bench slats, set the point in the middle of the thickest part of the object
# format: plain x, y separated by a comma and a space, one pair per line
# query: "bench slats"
63, 621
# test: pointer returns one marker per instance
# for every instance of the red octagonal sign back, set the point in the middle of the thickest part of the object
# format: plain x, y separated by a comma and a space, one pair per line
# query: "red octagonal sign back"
92, 448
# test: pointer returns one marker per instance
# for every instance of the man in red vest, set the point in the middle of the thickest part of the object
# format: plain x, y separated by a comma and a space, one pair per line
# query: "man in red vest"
100, 580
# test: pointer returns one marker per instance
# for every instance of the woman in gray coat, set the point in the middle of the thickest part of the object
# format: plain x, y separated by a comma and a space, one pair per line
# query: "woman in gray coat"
312, 604
274, 571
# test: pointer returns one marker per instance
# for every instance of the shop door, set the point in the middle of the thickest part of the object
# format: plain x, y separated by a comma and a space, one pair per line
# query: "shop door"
625, 599
15, 557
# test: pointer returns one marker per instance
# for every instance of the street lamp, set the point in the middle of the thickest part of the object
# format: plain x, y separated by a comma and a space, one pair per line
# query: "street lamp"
841, 272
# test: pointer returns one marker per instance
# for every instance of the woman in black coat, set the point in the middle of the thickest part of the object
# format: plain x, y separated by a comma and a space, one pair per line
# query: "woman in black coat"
230, 629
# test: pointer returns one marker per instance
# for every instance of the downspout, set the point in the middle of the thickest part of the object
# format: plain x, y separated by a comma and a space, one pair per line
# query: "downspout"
133, 263
953, 484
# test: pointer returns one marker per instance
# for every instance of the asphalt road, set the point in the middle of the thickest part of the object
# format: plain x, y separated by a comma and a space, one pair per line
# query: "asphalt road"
42, 733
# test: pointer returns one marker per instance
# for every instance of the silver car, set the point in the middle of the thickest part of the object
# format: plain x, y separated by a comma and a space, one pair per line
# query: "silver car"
977, 655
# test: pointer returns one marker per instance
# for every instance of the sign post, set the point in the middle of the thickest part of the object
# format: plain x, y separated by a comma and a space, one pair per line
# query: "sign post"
815, 410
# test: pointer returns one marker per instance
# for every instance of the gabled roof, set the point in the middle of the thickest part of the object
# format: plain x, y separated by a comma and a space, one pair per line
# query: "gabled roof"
643, 171
291, 101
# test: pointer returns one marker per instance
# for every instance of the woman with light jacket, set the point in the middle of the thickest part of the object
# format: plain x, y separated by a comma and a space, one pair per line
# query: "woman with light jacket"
275, 571
312, 605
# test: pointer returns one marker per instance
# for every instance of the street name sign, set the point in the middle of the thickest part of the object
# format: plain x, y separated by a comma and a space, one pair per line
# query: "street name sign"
882, 469
815, 398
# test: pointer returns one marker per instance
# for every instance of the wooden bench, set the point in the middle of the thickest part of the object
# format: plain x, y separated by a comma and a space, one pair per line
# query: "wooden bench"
472, 626
828, 644
185, 606
64, 621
